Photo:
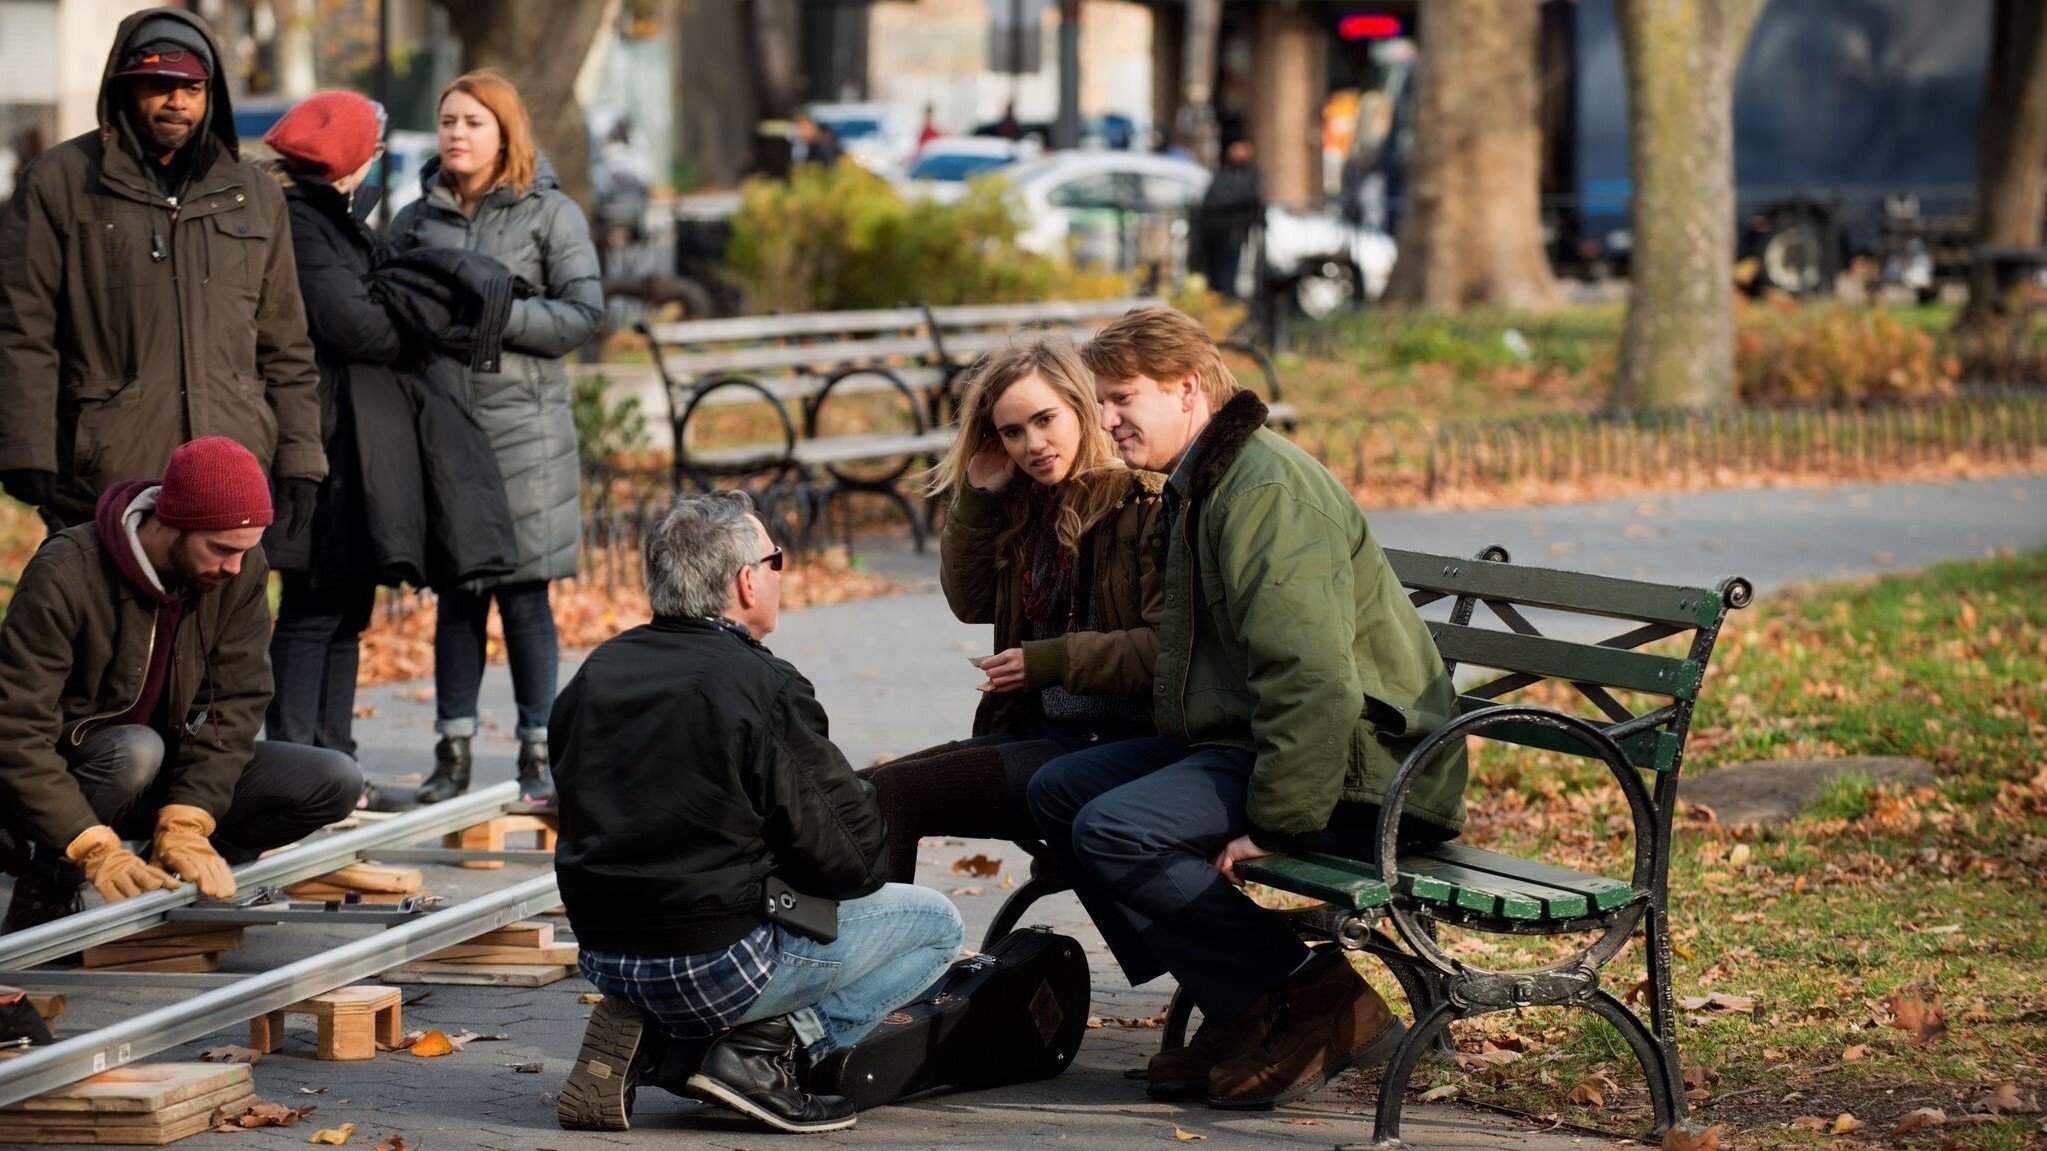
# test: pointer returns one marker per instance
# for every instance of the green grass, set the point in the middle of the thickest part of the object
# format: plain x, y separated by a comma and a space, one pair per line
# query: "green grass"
1931, 893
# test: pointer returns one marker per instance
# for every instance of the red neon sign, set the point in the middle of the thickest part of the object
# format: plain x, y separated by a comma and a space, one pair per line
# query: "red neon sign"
1368, 26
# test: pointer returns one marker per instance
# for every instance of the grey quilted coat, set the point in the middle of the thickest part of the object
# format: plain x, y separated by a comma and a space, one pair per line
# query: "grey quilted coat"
524, 406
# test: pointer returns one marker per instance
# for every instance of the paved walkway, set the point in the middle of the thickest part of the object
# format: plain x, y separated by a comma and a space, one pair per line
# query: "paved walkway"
893, 676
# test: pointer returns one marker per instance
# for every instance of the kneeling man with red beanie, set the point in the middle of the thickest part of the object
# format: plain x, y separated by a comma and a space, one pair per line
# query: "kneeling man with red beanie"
133, 678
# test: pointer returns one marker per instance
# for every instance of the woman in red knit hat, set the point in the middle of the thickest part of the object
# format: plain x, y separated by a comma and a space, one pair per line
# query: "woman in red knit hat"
328, 145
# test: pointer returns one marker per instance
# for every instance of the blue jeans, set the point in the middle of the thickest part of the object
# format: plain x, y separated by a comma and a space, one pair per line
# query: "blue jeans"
314, 651
531, 647
891, 946
1136, 825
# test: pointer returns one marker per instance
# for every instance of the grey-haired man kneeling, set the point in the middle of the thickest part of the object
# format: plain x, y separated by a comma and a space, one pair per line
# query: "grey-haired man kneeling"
695, 776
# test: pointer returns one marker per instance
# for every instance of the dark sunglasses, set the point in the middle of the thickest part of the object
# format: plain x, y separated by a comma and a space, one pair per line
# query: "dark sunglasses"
773, 559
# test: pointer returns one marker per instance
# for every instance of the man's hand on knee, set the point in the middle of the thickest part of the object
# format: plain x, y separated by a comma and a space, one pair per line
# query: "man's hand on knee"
182, 848
1237, 851
114, 871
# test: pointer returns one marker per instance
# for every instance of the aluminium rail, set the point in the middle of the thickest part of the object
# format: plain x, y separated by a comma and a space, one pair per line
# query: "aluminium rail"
66, 1062
304, 860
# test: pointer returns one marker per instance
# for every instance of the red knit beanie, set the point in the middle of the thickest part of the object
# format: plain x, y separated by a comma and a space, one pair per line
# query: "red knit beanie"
328, 134
213, 484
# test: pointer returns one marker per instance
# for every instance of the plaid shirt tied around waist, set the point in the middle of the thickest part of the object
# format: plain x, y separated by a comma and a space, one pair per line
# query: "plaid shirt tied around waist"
690, 996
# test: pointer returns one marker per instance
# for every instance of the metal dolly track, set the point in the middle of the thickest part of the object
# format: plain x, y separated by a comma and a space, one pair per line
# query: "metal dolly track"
47, 1068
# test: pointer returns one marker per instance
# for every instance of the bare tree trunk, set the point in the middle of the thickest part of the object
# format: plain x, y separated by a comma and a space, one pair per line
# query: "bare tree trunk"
2011, 148
1470, 230
1677, 349
540, 46
778, 56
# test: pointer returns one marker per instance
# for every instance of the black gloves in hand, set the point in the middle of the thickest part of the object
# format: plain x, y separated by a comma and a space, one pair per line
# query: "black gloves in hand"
30, 486
295, 499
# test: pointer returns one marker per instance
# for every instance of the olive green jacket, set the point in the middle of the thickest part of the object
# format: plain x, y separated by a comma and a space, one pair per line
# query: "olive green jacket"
1287, 633
1116, 660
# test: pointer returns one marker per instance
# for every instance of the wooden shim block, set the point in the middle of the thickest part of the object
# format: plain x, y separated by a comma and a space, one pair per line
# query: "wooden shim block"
136, 1088
227, 934
49, 1006
525, 933
352, 1021
205, 961
321, 892
115, 1120
479, 975
126, 952
562, 953
490, 836
373, 877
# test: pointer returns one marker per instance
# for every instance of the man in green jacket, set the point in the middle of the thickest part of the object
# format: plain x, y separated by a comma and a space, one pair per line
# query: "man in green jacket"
149, 294
1293, 677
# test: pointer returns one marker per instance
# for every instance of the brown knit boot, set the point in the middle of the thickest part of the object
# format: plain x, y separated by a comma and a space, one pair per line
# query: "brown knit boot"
1181, 1073
1324, 1018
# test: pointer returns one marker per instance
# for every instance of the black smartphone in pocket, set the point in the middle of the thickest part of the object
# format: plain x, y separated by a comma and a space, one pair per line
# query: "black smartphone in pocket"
810, 916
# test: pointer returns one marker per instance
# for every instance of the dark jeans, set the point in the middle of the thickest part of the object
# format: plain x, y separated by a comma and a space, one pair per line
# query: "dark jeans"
531, 646
287, 792
1137, 824
314, 651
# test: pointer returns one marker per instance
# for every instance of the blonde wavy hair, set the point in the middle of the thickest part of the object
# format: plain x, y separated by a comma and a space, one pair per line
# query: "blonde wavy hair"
1098, 480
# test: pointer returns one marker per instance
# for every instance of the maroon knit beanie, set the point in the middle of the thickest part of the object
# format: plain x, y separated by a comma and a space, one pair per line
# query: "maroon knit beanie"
328, 134
213, 484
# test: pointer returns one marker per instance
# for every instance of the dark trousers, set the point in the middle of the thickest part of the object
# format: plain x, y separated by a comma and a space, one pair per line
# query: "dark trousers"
314, 651
1137, 826
286, 792
531, 647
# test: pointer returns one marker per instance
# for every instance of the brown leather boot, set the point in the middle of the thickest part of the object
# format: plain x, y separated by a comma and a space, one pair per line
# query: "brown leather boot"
1181, 1073
1324, 1019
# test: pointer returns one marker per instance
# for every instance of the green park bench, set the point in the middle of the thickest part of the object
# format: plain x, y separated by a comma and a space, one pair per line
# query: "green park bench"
1643, 704
1501, 653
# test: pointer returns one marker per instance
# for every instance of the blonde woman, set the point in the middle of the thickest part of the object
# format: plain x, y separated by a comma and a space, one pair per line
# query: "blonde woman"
490, 191
1049, 540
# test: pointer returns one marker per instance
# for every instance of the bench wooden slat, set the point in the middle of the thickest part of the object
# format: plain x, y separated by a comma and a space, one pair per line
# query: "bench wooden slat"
751, 456
864, 448
1562, 659
687, 333
1507, 896
1603, 893
1561, 590
1346, 883
1044, 311
824, 356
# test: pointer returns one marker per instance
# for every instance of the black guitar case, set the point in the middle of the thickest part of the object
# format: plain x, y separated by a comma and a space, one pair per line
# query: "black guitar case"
1014, 1014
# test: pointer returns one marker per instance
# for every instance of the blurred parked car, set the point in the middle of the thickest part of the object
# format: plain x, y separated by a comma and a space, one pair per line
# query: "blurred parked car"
941, 169
879, 137
1096, 207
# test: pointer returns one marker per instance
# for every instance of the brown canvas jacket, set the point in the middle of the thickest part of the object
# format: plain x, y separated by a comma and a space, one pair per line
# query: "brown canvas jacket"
1117, 659
74, 647
129, 325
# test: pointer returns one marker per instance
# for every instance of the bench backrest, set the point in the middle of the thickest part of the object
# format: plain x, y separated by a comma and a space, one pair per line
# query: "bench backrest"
1643, 699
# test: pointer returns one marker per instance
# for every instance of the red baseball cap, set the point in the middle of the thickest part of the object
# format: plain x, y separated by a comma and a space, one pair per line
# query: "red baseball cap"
164, 58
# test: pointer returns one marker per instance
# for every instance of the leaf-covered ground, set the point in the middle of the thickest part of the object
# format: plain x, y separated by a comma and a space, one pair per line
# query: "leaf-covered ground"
1873, 972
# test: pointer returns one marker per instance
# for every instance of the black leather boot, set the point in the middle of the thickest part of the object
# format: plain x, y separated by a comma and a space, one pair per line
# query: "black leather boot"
752, 1069
451, 770
534, 785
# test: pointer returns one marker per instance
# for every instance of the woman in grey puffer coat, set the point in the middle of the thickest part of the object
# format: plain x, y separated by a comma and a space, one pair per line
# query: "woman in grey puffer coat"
489, 191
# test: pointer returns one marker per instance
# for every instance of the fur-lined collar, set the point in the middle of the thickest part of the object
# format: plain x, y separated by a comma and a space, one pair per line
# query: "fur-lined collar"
1217, 447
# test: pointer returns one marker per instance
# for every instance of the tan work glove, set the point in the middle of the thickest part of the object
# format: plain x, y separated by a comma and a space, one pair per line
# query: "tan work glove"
181, 848
116, 872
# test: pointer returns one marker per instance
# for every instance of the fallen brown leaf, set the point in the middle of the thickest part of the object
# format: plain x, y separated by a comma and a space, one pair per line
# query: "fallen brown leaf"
1924, 1021
590, 997
1587, 1094
1445, 1091
1809, 1123
1186, 1136
1844, 1123
1920, 1120
1679, 1139
230, 1054
432, 1045
978, 866
2006, 1100
1853, 1053
334, 1136
394, 1143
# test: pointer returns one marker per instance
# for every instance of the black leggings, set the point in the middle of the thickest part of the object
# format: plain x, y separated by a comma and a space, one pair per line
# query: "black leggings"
971, 788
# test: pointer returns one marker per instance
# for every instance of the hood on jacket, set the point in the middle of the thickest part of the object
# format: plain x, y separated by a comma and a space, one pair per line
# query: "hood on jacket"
430, 175
167, 24
115, 519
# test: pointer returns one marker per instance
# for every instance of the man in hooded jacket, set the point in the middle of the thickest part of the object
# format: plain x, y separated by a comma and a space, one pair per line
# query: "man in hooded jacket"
148, 292
132, 683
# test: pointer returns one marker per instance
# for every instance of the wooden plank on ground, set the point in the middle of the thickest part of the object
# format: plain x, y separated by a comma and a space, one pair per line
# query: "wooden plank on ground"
479, 974
204, 961
140, 1087
525, 933
373, 877
554, 953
